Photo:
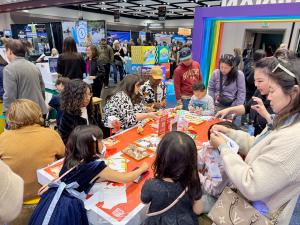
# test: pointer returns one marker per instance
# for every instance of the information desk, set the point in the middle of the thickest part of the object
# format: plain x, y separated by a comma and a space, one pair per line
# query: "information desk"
133, 212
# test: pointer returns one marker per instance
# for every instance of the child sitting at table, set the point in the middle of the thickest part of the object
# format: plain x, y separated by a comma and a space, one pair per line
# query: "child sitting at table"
176, 177
201, 103
212, 175
62, 203
55, 100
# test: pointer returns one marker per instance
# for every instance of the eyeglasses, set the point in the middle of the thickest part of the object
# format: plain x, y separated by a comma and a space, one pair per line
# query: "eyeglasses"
279, 66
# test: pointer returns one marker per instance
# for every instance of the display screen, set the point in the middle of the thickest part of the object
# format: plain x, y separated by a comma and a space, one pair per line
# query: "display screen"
53, 65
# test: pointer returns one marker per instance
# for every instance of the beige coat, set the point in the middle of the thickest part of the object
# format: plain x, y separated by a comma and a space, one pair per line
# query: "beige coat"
271, 170
11, 194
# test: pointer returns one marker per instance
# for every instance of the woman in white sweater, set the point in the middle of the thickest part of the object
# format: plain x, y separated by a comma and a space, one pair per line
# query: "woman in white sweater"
270, 173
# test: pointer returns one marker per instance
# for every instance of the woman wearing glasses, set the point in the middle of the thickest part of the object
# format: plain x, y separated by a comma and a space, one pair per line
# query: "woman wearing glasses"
227, 84
78, 109
258, 107
269, 176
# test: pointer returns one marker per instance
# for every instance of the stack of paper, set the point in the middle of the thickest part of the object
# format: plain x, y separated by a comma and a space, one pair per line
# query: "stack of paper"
108, 193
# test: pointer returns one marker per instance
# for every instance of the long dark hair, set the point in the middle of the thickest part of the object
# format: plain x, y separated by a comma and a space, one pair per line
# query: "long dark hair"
177, 159
266, 64
82, 145
287, 83
69, 45
127, 85
73, 95
232, 76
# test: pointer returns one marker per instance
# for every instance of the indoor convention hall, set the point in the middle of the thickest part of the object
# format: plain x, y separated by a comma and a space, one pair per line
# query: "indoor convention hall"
149, 112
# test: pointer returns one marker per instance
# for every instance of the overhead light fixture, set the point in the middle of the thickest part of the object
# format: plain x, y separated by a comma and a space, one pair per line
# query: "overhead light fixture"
124, 1
102, 3
25, 10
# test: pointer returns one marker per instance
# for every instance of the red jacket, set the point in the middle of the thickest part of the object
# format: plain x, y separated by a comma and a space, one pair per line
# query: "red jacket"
185, 77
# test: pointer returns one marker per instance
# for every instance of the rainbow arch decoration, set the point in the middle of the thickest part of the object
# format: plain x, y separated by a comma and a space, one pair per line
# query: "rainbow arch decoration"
209, 25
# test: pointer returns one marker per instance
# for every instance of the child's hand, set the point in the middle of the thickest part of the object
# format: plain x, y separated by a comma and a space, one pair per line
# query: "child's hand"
198, 111
144, 167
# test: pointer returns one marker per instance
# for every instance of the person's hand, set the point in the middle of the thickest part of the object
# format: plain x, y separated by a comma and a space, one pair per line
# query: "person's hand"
260, 108
216, 139
179, 102
220, 128
152, 115
92, 77
117, 53
116, 126
222, 113
150, 108
144, 167
192, 109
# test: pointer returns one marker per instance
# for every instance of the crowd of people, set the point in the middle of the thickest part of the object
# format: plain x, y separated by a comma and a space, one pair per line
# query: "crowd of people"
266, 170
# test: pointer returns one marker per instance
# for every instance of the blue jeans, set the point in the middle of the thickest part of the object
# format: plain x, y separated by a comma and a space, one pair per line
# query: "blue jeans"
185, 104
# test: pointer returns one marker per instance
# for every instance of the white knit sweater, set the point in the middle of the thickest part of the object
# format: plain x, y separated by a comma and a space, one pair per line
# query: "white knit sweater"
271, 170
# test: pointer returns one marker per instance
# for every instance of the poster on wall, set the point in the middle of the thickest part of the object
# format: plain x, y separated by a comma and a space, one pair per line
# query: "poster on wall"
163, 54
149, 54
81, 30
68, 29
121, 36
160, 38
96, 31
77, 30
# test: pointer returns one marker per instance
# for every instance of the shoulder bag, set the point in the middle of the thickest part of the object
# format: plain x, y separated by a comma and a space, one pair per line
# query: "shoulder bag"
223, 100
232, 208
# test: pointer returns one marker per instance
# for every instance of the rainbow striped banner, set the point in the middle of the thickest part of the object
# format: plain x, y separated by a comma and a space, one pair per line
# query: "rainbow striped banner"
209, 22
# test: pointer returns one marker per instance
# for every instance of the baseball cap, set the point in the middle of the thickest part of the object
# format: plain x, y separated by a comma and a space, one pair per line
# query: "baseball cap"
185, 53
156, 73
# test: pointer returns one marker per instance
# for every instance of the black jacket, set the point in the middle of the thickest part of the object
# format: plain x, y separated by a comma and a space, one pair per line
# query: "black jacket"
71, 66
69, 122
97, 69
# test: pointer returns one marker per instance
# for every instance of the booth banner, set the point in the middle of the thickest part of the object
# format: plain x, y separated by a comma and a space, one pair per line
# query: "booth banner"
121, 36
96, 31
149, 55
136, 55
163, 54
161, 38
81, 30
136, 69
166, 70
68, 29
179, 38
77, 30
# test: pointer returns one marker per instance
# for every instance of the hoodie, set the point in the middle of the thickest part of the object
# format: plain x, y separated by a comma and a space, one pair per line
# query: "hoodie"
184, 78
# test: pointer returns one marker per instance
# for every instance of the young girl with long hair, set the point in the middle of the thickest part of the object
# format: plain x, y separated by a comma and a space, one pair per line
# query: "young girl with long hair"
62, 203
175, 177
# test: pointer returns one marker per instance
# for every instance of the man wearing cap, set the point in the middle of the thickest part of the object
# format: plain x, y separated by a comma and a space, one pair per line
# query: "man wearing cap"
106, 56
153, 90
186, 74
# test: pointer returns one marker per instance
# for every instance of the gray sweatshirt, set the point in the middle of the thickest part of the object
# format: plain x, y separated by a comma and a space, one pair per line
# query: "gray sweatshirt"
22, 79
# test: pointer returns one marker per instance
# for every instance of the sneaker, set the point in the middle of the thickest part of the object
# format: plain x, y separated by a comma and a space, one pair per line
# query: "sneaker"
105, 87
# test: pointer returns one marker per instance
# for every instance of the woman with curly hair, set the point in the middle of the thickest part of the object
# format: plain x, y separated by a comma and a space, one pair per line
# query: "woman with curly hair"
78, 109
126, 103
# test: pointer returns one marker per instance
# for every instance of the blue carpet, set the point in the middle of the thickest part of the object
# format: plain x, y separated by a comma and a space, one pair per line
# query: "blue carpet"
295, 220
